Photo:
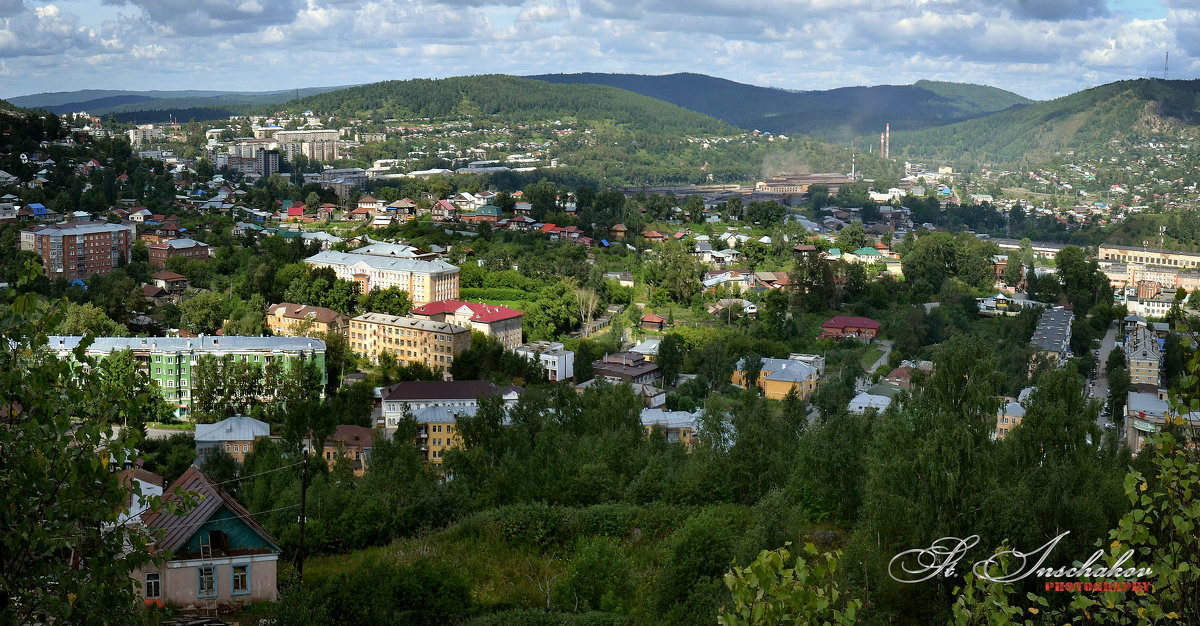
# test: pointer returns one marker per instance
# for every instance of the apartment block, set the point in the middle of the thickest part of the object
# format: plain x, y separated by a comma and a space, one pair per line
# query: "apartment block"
1053, 335
556, 361
168, 361
1143, 356
187, 248
79, 250
493, 320
408, 339
779, 376
283, 319
425, 281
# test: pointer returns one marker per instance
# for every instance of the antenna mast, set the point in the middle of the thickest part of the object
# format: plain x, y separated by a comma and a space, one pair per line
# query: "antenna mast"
1166, 62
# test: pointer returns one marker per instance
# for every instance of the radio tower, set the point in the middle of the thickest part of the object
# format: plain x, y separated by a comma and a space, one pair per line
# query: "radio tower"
1166, 61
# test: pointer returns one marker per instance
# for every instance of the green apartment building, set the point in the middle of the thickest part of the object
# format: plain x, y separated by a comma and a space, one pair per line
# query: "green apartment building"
169, 360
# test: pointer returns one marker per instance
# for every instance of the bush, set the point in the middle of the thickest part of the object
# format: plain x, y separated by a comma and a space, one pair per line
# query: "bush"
533, 525
600, 577
695, 557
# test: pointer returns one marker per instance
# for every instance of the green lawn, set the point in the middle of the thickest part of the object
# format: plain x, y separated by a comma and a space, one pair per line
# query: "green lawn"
871, 355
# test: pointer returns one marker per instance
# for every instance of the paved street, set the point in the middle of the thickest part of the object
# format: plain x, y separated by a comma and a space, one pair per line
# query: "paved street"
163, 433
1100, 391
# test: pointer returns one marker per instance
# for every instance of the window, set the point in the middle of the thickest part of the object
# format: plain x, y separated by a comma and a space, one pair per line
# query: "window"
206, 581
227, 446
153, 586
240, 580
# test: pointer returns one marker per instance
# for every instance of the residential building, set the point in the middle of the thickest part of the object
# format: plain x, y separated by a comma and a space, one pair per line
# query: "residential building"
1146, 414
556, 361
353, 443
779, 376
627, 367
187, 248
169, 361
396, 251
437, 429
283, 319
415, 395
1143, 356
648, 348
150, 485
79, 250
408, 339
1011, 413
1053, 335
234, 436
1148, 256
169, 281
425, 281
878, 399
842, 326
219, 553
676, 426
492, 320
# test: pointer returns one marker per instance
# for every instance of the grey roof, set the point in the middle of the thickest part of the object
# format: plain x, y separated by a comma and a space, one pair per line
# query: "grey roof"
184, 243
1054, 330
864, 401
396, 250
443, 414
236, 428
670, 419
331, 257
649, 346
788, 370
76, 228
103, 345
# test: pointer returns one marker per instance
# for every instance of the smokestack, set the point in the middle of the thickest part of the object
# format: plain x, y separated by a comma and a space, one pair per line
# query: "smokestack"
887, 143
881, 145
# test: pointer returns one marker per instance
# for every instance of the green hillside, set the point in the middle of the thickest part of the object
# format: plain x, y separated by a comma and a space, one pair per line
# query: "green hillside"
512, 98
837, 114
1082, 121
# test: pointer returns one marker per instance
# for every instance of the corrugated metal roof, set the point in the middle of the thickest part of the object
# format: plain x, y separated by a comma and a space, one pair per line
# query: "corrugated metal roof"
236, 428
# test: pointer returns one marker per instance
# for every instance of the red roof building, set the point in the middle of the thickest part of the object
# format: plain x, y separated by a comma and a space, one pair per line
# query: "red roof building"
848, 326
653, 322
490, 319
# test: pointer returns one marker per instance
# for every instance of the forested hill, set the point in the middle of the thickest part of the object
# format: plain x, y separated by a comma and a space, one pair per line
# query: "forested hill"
159, 106
837, 114
1084, 121
512, 98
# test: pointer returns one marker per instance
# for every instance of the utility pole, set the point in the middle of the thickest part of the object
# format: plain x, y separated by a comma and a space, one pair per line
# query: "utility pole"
303, 493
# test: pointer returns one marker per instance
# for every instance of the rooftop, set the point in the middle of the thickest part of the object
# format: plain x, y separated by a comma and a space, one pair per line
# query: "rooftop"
349, 259
204, 343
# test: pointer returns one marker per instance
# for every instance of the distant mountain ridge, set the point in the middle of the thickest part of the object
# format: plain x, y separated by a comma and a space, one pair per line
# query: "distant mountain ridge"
513, 97
160, 105
838, 114
1080, 121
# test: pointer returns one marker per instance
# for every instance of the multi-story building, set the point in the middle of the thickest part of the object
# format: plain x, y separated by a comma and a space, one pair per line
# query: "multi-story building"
1143, 356
315, 145
78, 250
1146, 413
283, 318
187, 248
413, 396
558, 362
676, 426
266, 162
352, 442
234, 436
1148, 256
408, 339
168, 361
493, 320
627, 367
143, 134
1053, 335
779, 376
425, 281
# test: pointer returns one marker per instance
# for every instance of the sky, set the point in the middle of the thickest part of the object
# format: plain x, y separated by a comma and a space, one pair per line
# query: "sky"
1038, 48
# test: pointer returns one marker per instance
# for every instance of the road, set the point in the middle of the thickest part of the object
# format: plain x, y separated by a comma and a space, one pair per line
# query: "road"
1100, 390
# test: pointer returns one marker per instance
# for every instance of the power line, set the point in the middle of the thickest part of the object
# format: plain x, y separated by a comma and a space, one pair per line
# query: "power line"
220, 519
233, 480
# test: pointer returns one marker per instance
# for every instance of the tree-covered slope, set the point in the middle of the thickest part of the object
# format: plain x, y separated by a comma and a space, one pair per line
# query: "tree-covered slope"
512, 98
1082, 121
836, 114
160, 105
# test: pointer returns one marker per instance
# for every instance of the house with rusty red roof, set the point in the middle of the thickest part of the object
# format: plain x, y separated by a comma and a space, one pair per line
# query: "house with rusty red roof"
843, 326
216, 552
493, 320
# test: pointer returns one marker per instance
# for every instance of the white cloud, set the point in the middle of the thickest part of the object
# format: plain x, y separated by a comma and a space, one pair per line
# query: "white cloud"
1037, 48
